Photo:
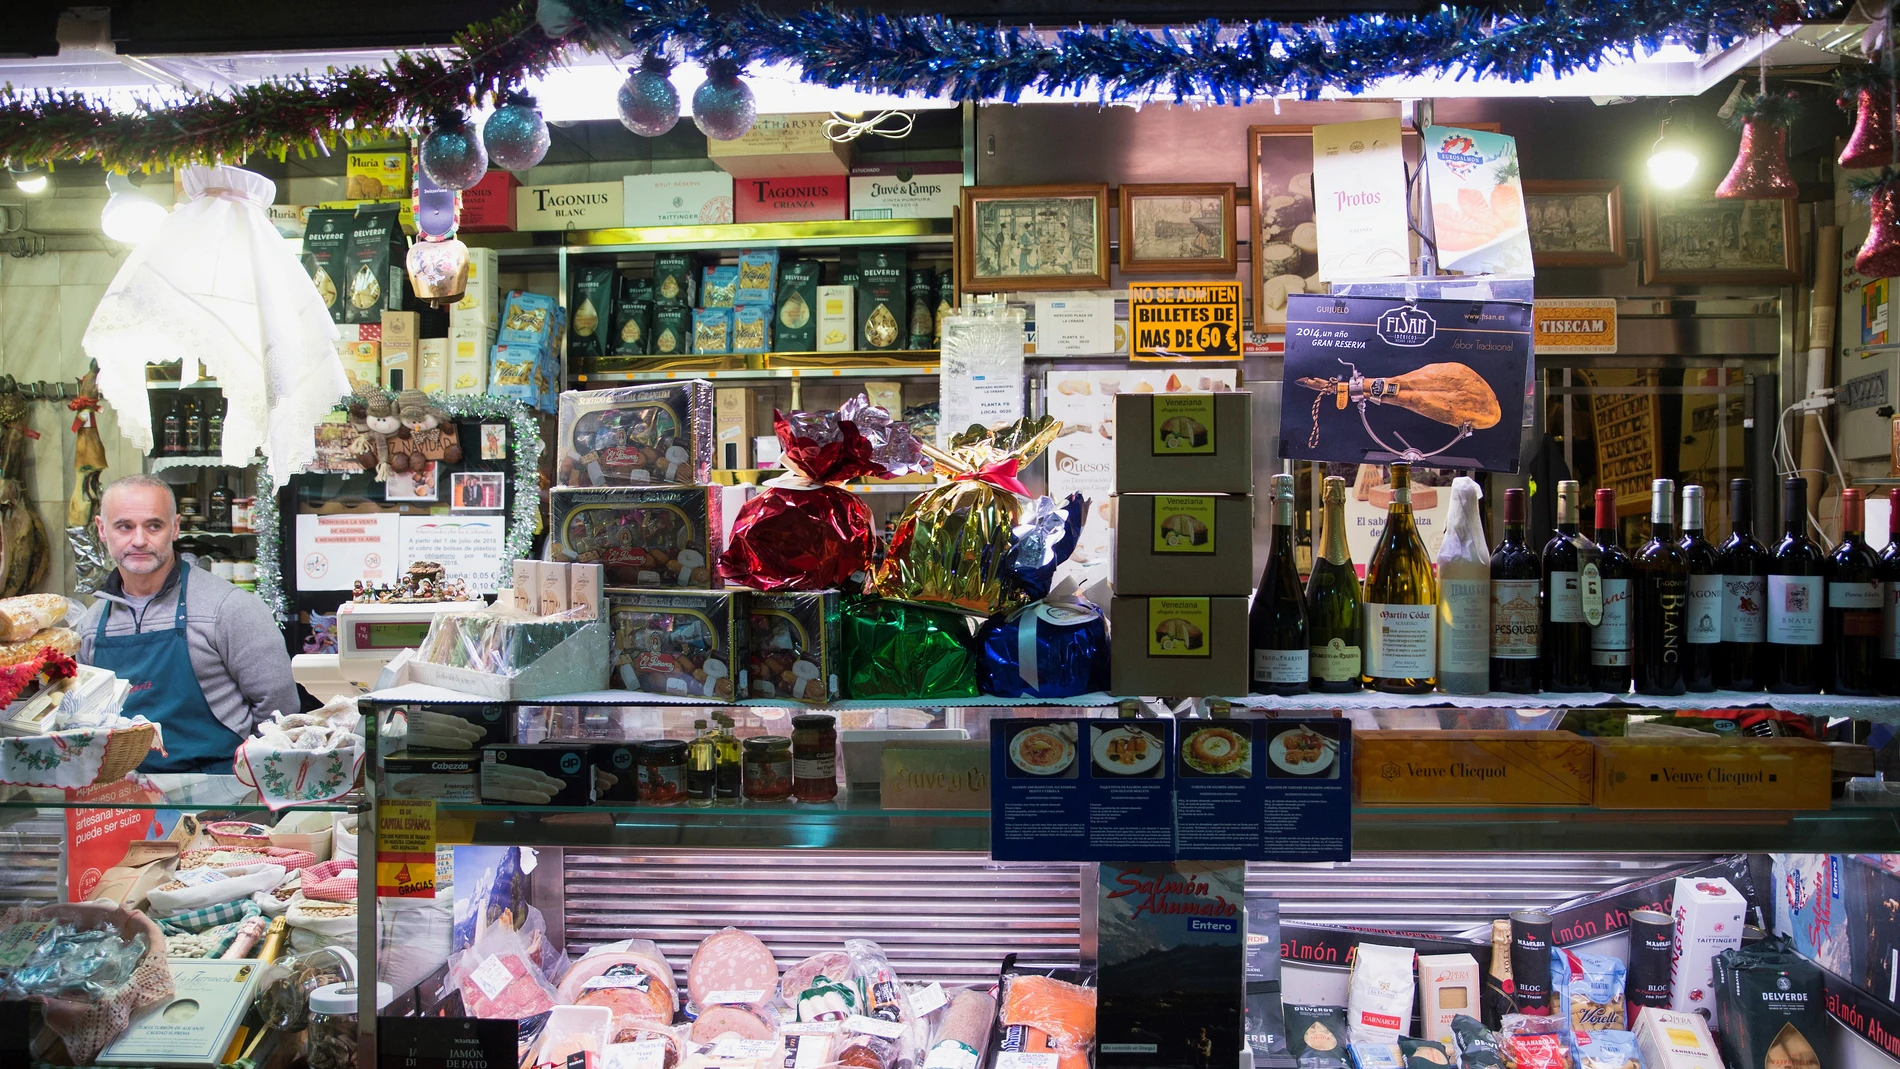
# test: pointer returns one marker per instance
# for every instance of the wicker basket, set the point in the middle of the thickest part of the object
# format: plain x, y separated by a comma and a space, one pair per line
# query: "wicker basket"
125, 750
238, 833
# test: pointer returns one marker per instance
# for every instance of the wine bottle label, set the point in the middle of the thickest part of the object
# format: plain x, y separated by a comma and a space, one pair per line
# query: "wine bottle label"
1279, 666
1744, 600
1335, 662
1705, 610
1401, 641
1514, 631
1566, 598
1183, 524
1464, 644
1855, 595
1590, 589
1794, 610
1610, 640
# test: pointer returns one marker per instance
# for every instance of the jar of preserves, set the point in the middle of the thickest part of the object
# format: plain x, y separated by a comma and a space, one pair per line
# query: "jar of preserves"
814, 757
768, 768
243, 514
662, 779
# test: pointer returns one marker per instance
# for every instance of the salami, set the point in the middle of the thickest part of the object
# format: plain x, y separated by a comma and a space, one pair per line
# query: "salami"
747, 1022
731, 966
964, 1031
832, 964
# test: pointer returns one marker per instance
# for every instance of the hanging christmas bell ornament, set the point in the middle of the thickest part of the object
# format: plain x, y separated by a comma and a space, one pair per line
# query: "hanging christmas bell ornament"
1879, 255
452, 154
1867, 91
516, 136
1761, 165
723, 107
649, 105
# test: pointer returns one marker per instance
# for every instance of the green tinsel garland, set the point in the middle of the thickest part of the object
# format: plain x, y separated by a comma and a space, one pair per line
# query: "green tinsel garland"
1772, 109
525, 437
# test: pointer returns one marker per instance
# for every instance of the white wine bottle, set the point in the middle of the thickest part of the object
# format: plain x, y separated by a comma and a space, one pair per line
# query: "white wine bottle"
1401, 601
1464, 596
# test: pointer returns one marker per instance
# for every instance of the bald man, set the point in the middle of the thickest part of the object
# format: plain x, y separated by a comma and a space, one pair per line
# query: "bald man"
206, 659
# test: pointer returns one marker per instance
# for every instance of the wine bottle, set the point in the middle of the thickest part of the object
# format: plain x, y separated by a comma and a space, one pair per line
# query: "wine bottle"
1794, 599
1514, 582
1563, 623
1661, 605
1703, 623
199, 429
1401, 601
174, 431
1888, 667
1611, 638
214, 430
1464, 596
1855, 598
218, 509
1744, 564
187, 427
1277, 625
1333, 607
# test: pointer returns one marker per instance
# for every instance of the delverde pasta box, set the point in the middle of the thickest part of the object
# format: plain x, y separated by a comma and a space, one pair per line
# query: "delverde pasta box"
1473, 767
1678, 772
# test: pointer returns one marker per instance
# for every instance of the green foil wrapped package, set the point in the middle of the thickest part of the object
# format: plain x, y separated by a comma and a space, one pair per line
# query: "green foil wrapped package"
895, 650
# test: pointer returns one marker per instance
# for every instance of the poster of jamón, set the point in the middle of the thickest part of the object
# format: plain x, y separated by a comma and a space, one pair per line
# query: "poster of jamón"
1378, 380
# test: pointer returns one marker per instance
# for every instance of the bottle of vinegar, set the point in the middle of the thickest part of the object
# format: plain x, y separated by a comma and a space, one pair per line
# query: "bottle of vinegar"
1334, 609
1277, 624
1464, 596
1401, 601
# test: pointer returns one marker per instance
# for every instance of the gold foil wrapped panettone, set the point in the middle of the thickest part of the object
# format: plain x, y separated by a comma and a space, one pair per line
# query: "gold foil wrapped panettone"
950, 543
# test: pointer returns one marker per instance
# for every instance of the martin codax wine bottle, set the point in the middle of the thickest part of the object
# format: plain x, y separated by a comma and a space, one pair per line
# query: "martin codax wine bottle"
1401, 601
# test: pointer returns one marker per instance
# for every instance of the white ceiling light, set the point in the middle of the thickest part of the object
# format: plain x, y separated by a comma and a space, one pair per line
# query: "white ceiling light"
130, 214
1672, 161
27, 178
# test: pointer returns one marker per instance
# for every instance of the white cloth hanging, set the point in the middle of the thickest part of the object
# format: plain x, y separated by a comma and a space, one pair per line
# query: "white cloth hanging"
217, 284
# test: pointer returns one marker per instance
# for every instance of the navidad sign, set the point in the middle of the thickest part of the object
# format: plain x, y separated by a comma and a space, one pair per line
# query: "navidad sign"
1197, 321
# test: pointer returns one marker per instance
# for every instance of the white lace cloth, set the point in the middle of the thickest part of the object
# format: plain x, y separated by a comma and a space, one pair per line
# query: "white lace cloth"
218, 284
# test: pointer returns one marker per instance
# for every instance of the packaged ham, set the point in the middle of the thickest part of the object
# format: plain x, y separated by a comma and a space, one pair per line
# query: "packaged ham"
734, 1019
731, 966
647, 1046
831, 964
963, 1031
631, 978
573, 1030
498, 978
1064, 1011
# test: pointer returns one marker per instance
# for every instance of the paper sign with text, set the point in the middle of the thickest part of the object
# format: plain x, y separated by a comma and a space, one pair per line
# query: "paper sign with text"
1575, 325
405, 849
1185, 321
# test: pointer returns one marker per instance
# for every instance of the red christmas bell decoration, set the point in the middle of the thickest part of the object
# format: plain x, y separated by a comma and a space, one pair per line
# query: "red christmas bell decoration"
1761, 167
1879, 255
1872, 142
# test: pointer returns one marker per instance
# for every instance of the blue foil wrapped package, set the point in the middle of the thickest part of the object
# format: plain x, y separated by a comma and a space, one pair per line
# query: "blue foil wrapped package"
1054, 648
1044, 536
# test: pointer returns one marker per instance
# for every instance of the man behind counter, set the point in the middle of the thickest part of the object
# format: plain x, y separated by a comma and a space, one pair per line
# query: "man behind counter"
205, 659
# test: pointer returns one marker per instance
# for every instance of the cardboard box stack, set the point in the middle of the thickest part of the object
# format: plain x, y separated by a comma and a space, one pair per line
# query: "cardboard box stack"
472, 326
1183, 563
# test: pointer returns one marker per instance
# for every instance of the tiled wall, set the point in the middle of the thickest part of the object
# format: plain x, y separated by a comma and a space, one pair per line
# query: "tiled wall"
45, 303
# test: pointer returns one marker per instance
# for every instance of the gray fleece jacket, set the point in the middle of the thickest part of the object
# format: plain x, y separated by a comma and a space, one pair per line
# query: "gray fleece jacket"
236, 648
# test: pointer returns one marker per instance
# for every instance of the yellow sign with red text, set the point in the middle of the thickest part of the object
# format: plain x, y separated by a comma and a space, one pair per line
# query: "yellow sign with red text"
405, 849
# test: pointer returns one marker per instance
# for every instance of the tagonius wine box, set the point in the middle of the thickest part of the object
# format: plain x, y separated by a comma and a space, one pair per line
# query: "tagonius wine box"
1473, 768
1172, 964
1676, 772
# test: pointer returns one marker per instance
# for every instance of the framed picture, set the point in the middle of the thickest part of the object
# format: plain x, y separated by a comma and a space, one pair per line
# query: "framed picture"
1696, 238
1034, 238
1284, 239
416, 484
1187, 229
476, 491
1576, 224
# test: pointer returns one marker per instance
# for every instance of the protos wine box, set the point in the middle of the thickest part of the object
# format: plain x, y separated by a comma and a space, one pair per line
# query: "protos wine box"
1184, 443
1183, 544
1473, 768
1180, 646
1674, 772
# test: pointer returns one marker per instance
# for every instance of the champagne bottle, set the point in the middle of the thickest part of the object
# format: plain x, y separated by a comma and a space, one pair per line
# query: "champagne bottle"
1464, 596
1333, 606
1855, 597
1277, 625
1744, 565
1795, 594
1514, 582
1610, 639
1563, 624
1888, 667
1401, 601
1662, 598
1703, 624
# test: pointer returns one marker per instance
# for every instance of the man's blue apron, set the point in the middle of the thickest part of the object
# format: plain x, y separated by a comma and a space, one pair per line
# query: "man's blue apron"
165, 691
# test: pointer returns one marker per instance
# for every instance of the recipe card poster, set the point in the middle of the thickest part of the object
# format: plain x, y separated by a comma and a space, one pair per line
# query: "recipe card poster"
1374, 380
1264, 790
1081, 790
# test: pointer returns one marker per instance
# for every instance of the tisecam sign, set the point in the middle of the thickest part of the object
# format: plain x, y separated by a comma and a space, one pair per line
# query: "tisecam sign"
1185, 321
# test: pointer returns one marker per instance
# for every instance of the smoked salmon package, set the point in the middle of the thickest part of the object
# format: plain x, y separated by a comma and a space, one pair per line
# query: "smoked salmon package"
1042, 1014
805, 531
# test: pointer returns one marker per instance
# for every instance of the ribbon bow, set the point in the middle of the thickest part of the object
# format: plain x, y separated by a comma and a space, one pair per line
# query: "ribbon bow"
1001, 475
83, 407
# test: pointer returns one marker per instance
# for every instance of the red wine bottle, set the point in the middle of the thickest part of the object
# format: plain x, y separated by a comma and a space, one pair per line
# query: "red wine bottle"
1796, 589
1514, 582
1563, 626
1855, 597
1703, 623
1662, 598
1744, 565
1612, 639
1889, 663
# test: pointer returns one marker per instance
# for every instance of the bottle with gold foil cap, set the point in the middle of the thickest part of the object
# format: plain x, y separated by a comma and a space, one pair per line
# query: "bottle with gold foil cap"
1335, 614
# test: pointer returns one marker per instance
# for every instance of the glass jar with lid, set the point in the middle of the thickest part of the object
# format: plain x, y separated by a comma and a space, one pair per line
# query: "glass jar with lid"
768, 768
814, 757
330, 1040
662, 777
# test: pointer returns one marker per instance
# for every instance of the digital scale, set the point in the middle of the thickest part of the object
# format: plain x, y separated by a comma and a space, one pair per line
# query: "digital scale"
368, 636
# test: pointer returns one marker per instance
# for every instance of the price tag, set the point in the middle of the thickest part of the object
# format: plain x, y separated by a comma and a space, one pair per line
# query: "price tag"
726, 998
734, 1047
492, 977
871, 1026
927, 1000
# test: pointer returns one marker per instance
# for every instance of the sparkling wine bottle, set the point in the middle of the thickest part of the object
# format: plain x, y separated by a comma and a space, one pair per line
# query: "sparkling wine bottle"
1401, 601
1464, 596
1334, 608
1277, 624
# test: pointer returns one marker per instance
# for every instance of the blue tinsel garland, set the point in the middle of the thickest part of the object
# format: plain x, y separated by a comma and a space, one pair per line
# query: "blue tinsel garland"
1225, 63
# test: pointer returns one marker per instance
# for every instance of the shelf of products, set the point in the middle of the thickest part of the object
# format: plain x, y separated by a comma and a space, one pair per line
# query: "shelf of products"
168, 463
899, 371
747, 235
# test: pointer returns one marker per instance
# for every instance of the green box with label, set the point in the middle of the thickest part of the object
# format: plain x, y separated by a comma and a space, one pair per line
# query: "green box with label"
1199, 544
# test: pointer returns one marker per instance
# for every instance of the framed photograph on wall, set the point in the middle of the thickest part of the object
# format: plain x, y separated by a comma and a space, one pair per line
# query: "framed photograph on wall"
1284, 239
1696, 238
1185, 229
1576, 223
1034, 238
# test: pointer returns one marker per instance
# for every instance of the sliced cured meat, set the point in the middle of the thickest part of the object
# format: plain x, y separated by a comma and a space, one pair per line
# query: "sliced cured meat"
831, 964
747, 1022
504, 985
669, 1058
728, 967
631, 993
601, 962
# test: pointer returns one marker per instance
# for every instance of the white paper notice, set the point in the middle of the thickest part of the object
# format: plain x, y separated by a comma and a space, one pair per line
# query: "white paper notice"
466, 546
997, 400
1075, 326
1359, 200
336, 550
